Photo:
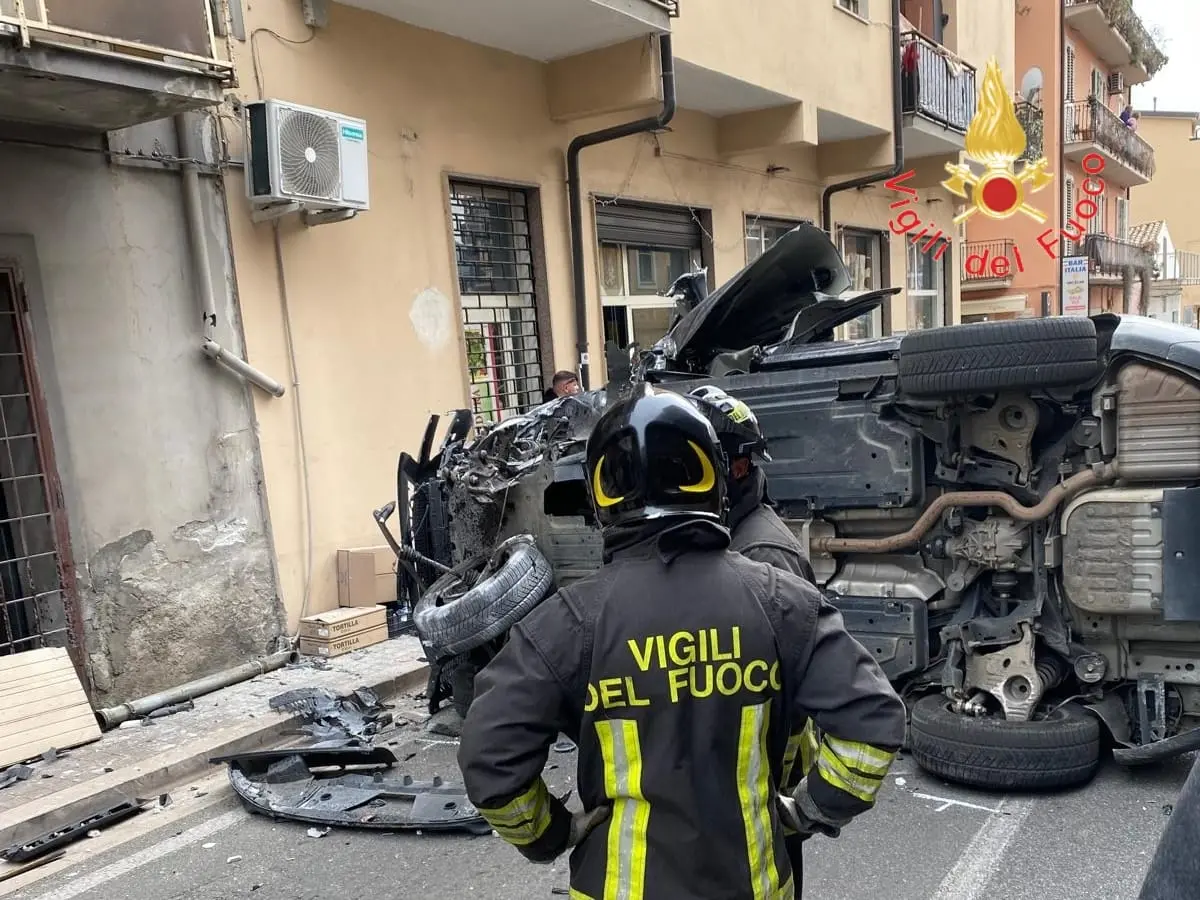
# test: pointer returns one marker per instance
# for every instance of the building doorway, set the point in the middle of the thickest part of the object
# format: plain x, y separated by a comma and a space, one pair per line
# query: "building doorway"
37, 602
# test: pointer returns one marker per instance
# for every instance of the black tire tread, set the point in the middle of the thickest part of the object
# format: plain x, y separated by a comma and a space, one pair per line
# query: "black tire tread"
1060, 751
990, 356
489, 608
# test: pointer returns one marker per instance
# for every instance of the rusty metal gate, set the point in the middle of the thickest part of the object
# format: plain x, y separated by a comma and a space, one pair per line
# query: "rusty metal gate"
36, 596
494, 254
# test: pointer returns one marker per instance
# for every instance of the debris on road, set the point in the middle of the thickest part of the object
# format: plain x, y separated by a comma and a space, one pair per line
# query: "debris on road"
185, 706
354, 716
14, 774
234, 859
318, 832
349, 787
55, 840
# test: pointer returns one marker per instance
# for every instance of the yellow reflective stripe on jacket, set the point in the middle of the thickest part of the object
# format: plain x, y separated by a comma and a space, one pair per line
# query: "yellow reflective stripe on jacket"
625, 869
523, 820
858, 769
803, 744
578, 895
756, 795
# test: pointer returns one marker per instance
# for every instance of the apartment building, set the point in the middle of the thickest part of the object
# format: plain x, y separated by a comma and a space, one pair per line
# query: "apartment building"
206, 396
1076, 61
1169, 215
455, 288
132, 526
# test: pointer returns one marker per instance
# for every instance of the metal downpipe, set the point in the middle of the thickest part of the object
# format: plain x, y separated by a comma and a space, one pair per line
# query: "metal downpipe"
575, 198
114, 715
897, 135
206, 291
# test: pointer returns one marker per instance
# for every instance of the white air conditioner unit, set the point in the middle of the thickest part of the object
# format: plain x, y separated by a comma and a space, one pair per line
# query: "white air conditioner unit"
1116, 83
305, 159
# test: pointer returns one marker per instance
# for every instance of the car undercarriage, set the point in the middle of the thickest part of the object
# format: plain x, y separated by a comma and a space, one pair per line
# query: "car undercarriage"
1007, 514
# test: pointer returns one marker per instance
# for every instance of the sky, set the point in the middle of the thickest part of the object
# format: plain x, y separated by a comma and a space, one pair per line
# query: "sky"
1177, 86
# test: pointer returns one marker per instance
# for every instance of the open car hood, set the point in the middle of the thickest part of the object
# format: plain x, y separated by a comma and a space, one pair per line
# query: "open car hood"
758, 305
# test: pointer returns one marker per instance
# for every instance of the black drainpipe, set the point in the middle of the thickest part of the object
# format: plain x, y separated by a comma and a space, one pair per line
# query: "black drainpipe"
897, 135
575, 198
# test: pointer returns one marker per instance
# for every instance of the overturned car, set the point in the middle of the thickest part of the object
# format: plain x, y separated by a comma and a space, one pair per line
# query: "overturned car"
1007, 513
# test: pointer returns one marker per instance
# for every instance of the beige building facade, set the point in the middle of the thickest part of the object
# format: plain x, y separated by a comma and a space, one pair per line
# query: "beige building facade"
455, 287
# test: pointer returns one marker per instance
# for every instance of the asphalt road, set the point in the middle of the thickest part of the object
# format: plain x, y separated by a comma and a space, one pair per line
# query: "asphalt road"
924, 841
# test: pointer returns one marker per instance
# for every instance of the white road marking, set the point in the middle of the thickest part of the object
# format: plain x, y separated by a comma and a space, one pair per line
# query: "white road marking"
969, 878
947, 802
142, 857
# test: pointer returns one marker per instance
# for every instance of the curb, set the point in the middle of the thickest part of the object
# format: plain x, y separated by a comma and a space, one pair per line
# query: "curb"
156, 774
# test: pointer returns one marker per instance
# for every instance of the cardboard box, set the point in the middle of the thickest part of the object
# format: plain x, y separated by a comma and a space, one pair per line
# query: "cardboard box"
366, 576
340, 623
338, 646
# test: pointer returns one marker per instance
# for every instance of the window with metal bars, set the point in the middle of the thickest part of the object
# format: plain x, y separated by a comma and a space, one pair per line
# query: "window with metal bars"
494, 257
33, 607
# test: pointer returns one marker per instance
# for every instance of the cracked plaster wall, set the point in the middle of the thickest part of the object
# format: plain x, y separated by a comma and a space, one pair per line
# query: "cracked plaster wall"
156, 446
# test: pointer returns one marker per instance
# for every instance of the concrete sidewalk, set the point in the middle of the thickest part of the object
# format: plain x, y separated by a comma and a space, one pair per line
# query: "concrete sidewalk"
139, 761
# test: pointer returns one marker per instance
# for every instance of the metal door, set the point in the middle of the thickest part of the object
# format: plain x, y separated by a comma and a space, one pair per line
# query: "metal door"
37, 602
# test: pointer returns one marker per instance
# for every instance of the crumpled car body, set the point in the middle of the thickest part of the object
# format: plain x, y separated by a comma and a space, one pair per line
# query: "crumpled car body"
1006, 513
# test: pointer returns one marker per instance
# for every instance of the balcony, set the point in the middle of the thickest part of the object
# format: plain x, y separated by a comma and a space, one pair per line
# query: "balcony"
100, 65
1091, 127
1117, 36
1108, 257
1033, 121
938, 96
544, 30
1182, 266
981, 270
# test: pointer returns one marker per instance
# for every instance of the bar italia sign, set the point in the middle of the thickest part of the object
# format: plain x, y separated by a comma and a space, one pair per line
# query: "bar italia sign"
995, 141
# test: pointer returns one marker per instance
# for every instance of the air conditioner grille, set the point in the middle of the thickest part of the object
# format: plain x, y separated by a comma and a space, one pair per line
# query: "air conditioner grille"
309, 155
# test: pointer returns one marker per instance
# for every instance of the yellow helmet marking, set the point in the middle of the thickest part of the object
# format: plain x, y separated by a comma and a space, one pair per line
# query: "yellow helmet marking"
708, 477
602, 499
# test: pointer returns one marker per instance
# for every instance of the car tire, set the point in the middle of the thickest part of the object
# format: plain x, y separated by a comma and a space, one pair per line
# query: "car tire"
1061, 750
454, 618
986, 357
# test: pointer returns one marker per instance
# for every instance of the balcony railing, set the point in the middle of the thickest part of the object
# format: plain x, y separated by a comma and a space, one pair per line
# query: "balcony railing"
671, 6
1121, 16
1090, 121
178, 34
936, 84
979, 261
1110, 256
1033, 121
1180, 265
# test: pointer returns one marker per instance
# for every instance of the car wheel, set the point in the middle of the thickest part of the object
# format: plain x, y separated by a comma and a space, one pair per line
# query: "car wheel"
1059, 750
459, 613
993, 356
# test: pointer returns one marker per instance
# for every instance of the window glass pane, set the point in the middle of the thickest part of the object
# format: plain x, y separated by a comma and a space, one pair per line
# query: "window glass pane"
616, 329
612, 273
862, 259
650, 324
651, 270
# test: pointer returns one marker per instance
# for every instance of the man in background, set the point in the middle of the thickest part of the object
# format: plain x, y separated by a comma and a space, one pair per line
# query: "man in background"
563, 384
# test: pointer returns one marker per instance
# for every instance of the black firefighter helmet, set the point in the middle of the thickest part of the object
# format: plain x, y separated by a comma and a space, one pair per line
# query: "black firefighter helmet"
654, 455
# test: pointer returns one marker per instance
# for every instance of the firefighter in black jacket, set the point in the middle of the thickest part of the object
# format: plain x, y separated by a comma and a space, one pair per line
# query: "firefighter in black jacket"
680, 669
755, 527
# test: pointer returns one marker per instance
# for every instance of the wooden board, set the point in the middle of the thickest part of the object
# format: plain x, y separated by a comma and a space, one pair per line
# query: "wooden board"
42, 705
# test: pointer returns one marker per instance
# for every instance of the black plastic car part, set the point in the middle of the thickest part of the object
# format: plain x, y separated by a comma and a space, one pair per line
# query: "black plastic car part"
60, 837
351, 787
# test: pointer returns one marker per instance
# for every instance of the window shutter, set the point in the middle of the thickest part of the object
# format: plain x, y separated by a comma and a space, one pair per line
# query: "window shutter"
1069, 87
1122, 219
1069, 203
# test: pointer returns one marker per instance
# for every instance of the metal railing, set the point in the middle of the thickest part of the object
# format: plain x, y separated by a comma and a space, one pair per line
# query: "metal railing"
179, 34
977, 259
1033, 121
1110, 256
1090, 121
1179, 265
936, 84
1129, 25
